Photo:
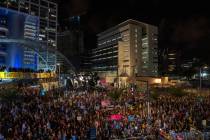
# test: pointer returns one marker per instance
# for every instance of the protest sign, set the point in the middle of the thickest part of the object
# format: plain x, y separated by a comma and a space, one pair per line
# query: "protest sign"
105, 103
116, 117
79, 118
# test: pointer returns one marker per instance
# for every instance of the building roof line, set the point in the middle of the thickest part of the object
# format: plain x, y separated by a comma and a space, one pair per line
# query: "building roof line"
19, 12
129, 21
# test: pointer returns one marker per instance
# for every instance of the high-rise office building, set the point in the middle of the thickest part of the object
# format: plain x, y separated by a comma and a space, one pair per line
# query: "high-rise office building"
127, 50
71, 44
18, 25
71, 38
3, 33
46, 11
170, 62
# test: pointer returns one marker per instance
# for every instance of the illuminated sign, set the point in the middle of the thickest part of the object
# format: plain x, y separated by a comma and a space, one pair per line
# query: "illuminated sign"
25, 75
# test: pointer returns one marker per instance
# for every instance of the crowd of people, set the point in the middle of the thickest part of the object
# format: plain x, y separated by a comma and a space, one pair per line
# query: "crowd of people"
74, 113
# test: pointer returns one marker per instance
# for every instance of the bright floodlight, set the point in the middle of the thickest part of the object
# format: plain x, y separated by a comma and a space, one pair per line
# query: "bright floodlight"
81, 78
204, 74
157, 81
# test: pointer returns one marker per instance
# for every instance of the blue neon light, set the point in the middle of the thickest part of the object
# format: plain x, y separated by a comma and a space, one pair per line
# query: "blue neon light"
18, 25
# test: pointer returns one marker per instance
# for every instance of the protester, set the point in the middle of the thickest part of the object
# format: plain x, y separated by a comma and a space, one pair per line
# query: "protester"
72, 116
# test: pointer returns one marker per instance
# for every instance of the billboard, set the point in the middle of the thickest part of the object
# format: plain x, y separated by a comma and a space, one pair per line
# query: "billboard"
18, 25
26, 75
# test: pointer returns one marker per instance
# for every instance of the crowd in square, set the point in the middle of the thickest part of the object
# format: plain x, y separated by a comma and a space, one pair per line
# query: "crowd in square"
74, 113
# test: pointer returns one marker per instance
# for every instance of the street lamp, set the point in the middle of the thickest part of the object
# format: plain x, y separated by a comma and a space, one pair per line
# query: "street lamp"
117, 76
148, 99
201, 74
59, 72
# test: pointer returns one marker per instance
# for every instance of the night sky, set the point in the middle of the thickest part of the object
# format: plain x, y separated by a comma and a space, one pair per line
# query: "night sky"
182, 25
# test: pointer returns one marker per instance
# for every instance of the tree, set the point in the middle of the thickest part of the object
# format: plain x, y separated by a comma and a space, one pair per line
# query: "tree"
115, 94
189, 73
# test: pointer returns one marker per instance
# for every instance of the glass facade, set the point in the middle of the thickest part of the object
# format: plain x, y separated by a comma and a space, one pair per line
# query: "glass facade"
31, 31
16, 25
105, 59
3, 33
47, 13
145, 54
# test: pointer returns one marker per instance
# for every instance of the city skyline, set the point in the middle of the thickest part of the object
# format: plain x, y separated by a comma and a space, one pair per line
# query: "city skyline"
102, 69
182, 25
180, 31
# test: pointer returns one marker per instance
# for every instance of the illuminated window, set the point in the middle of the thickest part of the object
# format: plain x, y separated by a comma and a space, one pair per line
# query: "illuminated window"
171, 58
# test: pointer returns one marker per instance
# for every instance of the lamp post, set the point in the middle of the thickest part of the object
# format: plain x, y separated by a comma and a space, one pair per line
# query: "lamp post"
200, 78
201, 75
148, 101
118, 76
148, 98
59, 72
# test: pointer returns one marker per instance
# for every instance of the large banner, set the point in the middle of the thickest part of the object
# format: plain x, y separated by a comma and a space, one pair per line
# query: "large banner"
116, 117
25, 75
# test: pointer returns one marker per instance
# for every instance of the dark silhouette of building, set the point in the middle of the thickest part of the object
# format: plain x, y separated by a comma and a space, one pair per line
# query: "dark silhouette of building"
169, 62
71, 42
